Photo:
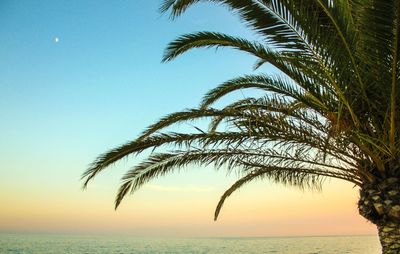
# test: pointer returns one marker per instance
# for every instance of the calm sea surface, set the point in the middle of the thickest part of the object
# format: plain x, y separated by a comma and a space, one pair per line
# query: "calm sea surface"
63, 244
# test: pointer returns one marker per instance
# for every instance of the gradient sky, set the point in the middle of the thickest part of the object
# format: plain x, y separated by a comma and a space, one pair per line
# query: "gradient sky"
99, 84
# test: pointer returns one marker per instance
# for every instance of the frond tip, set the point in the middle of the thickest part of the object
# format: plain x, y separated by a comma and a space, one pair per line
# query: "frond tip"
123, 190
233, 188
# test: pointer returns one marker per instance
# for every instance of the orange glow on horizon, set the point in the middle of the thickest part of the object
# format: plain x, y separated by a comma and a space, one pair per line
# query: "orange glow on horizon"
256, 210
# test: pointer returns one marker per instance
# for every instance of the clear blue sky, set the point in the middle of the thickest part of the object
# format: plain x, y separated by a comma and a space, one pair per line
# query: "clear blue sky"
103, 81
64, 102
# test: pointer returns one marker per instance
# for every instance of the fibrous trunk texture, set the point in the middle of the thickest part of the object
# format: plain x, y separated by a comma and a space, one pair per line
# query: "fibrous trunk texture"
389, 235
380, 203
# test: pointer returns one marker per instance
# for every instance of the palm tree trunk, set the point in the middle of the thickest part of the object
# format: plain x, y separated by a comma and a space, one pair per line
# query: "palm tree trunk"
389, 235
380, 203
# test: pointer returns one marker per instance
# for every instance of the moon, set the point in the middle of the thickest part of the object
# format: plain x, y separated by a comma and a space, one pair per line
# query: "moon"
56, 39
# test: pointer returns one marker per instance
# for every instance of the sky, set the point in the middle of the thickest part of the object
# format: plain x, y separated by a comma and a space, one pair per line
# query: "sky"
78, 77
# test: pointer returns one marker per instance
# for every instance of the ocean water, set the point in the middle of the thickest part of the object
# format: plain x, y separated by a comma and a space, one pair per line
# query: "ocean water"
74, 244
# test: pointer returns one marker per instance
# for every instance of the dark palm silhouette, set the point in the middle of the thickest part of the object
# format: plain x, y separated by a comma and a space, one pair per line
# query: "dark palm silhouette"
332, 113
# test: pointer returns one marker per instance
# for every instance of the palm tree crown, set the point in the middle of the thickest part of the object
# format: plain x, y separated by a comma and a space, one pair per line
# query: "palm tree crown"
332, 112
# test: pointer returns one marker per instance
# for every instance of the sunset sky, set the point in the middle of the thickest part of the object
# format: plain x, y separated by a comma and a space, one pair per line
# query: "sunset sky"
78, 77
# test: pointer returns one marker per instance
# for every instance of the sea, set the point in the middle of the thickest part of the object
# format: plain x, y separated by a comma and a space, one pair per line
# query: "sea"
85, 244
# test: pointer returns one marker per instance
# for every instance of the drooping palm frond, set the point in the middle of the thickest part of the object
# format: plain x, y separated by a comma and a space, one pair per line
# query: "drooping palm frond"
294, 65
260, 124
284, 168
333, 111
273, 84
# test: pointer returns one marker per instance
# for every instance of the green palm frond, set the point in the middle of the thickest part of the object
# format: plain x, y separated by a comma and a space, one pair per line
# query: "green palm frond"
137, 146
294, 164
214, 39
303, 178
276, 84
290, 64
332, 112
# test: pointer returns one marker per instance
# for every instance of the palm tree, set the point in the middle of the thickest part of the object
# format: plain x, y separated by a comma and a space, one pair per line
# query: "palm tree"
333, 112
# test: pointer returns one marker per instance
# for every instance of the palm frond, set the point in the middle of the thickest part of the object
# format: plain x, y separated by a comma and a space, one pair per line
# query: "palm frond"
274, 84
332, 112
173, 139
